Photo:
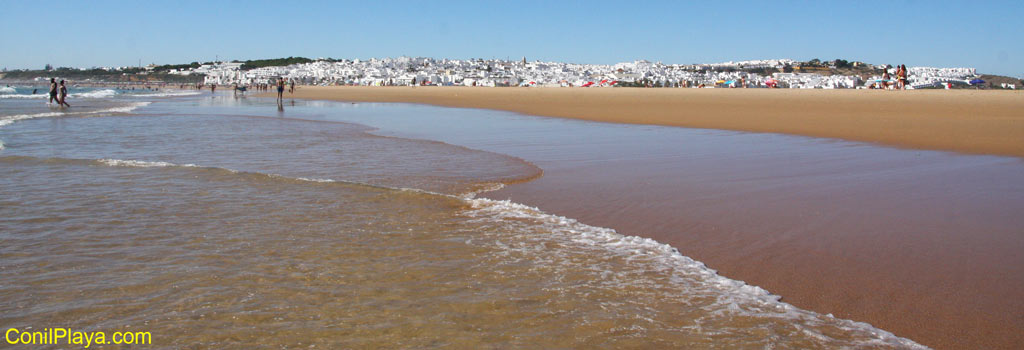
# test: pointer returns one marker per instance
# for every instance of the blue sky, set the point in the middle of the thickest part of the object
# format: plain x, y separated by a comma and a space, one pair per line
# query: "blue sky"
987, 35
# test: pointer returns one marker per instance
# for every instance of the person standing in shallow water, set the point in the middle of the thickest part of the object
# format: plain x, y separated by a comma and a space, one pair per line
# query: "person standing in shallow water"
280, 90
63, 95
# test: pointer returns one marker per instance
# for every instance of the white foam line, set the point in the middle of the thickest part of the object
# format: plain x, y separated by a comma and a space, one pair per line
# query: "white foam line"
490, 187
141, 163
13, 118
310, 180
6, 120
168, 94
95, 94
150, 164
125, 109
88, 94
735, 292
24, 96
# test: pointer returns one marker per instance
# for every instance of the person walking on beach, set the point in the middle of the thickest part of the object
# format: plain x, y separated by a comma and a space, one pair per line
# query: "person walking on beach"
63, 95
53, 91
291, 90
280, 90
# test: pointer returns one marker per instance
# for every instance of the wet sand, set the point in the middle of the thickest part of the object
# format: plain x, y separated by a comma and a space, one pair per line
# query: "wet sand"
969, 121
941, 268
926, 249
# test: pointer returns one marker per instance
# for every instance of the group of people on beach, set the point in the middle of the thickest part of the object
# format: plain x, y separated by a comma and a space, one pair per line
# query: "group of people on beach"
899, 83
58, 93
279, 83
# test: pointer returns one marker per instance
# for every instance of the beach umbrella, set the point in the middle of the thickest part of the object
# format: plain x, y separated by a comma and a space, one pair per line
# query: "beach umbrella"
977, 81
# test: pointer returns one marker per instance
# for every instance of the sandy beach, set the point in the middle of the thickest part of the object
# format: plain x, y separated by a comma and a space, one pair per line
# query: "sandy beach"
968, 121
941, 274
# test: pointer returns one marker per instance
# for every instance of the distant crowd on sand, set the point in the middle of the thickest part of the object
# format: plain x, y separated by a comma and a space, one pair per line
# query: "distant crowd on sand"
888, 83
280, 83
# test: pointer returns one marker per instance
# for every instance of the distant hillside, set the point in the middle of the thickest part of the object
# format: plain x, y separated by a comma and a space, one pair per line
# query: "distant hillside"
996, 81
115, 75
274, 62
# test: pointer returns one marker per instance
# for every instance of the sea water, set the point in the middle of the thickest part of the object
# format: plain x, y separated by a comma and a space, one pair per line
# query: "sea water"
224, 222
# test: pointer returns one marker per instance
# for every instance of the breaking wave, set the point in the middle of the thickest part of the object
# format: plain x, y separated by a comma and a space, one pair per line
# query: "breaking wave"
168, 94
95, 94
10, 119
6, 120
105, 93
141, 164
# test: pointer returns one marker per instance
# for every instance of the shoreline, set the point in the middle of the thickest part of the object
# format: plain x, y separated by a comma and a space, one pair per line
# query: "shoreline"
965, 121
914, 243
807, 268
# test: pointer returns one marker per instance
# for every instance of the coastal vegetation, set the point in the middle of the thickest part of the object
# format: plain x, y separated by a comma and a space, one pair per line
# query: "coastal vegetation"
170, 67
273, 62
124, 74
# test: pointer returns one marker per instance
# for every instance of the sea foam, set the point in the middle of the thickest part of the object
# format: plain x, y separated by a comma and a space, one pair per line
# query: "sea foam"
22, 96
731, 294
7, 120
168, 94
105, 93
141, 163
95, 94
